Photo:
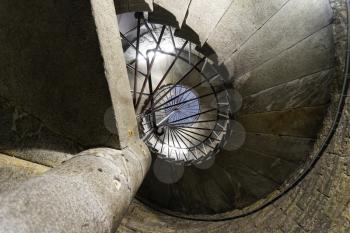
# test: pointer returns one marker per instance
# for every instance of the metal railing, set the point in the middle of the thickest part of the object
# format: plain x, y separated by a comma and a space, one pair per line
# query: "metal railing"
178, 123
323, 147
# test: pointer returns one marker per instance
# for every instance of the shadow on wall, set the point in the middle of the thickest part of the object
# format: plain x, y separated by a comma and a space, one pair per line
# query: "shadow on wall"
26, 137
51, 67
205, 189
162, 16
277, 142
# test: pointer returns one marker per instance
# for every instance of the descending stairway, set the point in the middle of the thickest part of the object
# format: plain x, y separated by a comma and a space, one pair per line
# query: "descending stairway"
182, 104
255, 148
241, 126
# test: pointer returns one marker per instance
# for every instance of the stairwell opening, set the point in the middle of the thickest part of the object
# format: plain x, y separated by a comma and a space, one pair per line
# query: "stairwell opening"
269, 141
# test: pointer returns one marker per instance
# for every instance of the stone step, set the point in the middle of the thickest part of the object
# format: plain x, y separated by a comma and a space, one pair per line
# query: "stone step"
123, 6
172, 13
201, 23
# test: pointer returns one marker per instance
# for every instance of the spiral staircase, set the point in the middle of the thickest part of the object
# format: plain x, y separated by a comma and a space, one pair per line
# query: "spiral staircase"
243, 102
182, 104
260, 142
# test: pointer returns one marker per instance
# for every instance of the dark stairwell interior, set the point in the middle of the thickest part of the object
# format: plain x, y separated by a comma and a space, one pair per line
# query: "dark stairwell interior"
273, 118
236, 100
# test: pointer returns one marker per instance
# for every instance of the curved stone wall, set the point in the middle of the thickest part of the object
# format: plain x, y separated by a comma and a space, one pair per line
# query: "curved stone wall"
281, 48
279, 55
320, 202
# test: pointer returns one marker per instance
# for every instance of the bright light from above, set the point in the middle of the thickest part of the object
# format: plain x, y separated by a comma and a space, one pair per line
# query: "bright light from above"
168, 47
150, 55
181, 126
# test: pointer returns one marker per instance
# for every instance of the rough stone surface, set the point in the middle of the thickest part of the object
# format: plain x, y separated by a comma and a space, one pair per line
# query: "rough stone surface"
27, 137
51, 66
123, 113
275, 169
92, 191
202, 21
310, 56
241, 21
318, 204
301, 18
292, 149
14, 171
313, 90
301, 122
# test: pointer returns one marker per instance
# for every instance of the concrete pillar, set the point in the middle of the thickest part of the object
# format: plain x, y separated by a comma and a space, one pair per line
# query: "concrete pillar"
89, 193
106, 22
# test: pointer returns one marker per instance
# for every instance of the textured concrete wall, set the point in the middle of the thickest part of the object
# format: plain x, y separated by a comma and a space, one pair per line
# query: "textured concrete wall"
27, 137
51, 66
